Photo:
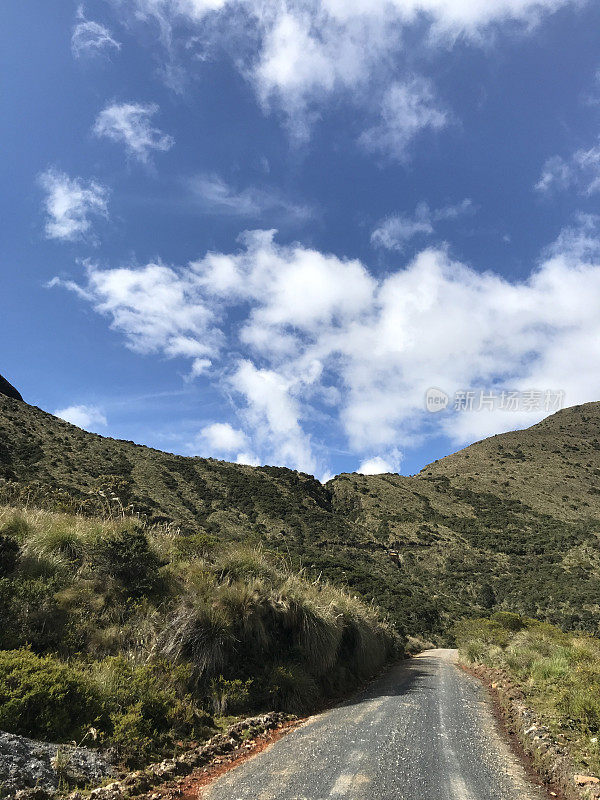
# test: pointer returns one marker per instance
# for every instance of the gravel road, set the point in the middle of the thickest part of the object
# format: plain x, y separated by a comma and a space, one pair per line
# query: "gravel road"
423, 731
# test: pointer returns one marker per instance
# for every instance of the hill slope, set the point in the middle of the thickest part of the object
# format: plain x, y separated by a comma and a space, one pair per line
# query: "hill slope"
510, 522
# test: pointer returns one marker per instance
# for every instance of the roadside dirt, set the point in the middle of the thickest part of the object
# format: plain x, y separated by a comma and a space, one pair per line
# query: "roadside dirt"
502, 699
191, 787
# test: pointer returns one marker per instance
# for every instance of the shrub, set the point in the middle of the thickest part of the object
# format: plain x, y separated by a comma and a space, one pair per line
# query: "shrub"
9, 551
193, 545
30, 615
292, 689
133, 735
17, 528
508, 620
229, 695
127, 557
44, 698
490, 633
149, 706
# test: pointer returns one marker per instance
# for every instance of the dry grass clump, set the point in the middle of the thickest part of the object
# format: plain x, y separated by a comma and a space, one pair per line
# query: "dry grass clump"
115, 602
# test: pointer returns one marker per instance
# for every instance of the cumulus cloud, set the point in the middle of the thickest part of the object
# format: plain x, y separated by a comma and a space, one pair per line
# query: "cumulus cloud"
216, 196
130, 124
221, 437
88, 417
377, 465
406, 110
273, 413
581, 171
247, 458
315, 339
394, 232
157, 308
90, 37
69, 204
298, 53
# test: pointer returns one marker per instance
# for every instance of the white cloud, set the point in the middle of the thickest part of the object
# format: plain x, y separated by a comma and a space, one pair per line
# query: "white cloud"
69, 204
406, 110
395, 231
581, 171
218, 197
302, 326
200, 366
91, 38
130, 125
88, 417
375, 466
247, 458
274, 413
157, 308
556, 173
578, 242
299, 53
221, 437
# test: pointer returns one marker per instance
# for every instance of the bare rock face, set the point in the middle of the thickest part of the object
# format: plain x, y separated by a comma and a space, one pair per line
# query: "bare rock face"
8, 390
32, 770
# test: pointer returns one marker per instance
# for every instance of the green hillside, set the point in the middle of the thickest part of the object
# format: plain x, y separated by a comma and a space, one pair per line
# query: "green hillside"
511, 522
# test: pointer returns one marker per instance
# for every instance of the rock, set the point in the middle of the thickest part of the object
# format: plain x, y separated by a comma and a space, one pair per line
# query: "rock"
8, 390
26, 764
112, 791
165, 769
586, 780
138, 782
36, 793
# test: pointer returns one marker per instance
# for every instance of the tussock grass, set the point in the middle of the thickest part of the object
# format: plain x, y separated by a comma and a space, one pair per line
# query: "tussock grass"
111, 602
558, 672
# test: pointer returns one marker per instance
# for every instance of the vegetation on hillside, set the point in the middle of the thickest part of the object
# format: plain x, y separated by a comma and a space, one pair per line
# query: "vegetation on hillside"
559, 674
145, 637
510, 523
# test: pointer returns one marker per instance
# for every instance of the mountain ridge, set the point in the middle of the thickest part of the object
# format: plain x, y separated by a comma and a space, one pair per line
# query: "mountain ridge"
508, 522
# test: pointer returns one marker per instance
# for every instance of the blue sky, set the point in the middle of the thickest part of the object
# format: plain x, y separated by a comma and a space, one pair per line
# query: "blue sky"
262, 231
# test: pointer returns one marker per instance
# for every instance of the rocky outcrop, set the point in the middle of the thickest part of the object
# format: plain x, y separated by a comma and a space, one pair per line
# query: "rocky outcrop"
28, 769
27, 766
8, 390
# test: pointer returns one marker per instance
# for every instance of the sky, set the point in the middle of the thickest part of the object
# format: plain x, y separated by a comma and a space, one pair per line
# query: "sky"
347, 235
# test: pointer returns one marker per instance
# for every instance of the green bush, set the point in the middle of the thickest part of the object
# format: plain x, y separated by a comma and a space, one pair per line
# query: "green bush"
508, 620
9, 552
488, 632
133, 735
126, 556
292, 689
30, 615
44, 698
149, 706
17, 528
229, 695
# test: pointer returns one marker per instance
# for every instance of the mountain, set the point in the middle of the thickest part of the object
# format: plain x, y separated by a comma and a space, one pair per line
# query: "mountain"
510, 522
8, 390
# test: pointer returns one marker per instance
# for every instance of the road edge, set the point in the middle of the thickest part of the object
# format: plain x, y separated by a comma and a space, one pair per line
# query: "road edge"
530, 740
